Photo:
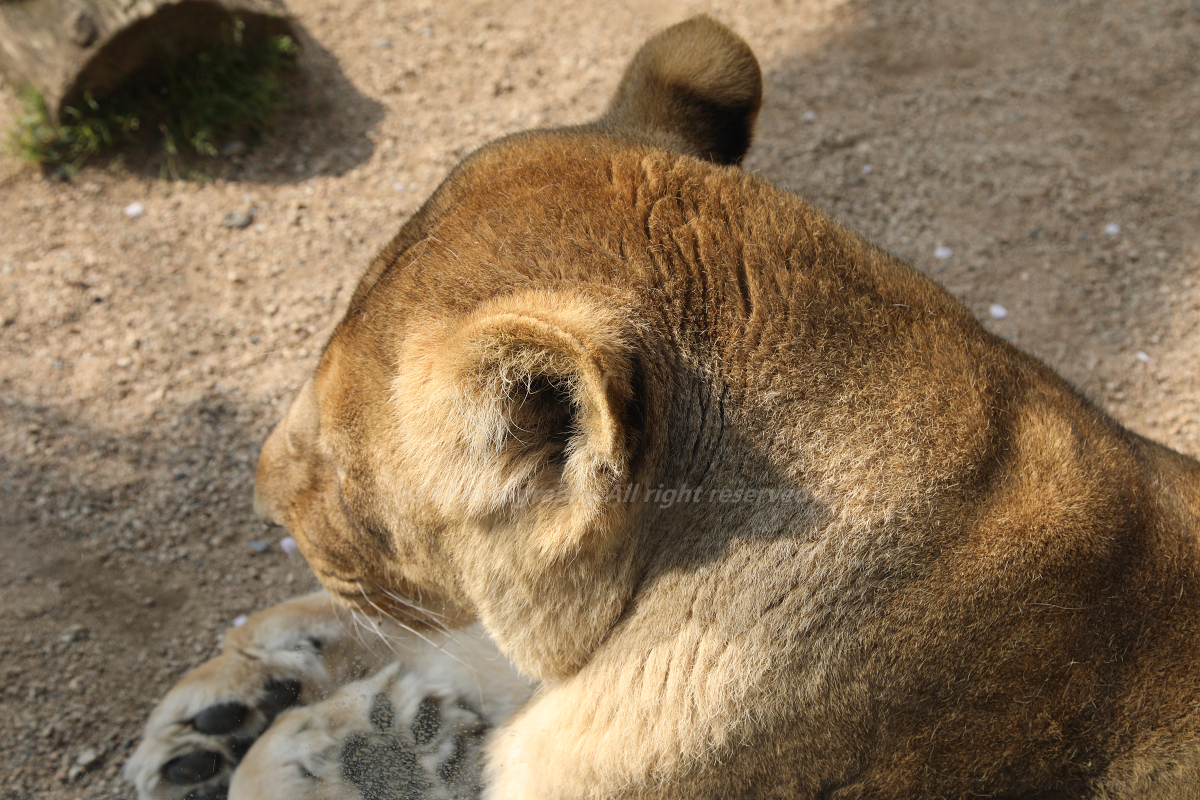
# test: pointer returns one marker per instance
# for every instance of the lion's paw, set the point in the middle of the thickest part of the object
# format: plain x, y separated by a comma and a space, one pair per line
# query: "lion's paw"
291, 654
413, 729
210, 742
395, 735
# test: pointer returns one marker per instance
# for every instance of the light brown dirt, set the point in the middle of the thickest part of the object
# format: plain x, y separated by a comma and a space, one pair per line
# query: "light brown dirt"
143, 360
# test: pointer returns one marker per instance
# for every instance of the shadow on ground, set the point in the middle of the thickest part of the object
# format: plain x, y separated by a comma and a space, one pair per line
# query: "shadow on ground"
1043, 152
325, 133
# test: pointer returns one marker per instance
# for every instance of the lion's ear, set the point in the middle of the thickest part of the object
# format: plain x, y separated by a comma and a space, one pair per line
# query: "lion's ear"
694, 87
527, 401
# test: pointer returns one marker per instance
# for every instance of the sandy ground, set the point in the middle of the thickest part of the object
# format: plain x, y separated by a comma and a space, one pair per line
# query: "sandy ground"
1048, 151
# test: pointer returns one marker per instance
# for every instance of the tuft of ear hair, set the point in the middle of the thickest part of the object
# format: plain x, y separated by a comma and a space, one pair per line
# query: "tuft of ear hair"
524, 400
695, 88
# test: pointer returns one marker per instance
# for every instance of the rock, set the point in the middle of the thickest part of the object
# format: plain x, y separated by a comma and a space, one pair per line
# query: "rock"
234, 148
134, 210
237, 220
87, 757
73, 634
259, 547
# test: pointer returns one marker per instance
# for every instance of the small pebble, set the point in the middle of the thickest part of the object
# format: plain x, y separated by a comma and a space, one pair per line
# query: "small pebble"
259, 546
87, 756
74, 634
1144, 357
288, 545
1112, 229
134, 210
234, 148
809, 116
239, 620
383, 42
997, 311
867, 169
237, 219
941, 252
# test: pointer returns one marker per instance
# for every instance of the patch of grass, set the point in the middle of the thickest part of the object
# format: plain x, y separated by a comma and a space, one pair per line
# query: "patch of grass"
189, 102
72, 142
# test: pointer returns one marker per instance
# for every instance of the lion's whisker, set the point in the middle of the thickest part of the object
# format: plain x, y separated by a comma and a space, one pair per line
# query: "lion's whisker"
436, 619
414, 632
366, 622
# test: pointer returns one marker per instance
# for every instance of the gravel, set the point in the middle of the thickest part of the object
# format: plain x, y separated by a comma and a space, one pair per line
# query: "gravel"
237, 219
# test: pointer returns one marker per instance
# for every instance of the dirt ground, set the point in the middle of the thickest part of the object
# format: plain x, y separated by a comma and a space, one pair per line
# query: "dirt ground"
1040, 158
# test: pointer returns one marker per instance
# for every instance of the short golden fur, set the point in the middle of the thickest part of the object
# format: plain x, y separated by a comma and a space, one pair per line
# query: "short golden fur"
946, 574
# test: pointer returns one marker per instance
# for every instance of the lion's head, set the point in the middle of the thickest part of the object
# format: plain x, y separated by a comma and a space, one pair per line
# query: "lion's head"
495, 390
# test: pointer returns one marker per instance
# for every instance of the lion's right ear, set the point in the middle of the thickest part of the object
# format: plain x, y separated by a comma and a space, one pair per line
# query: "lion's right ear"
529, 394
695, 87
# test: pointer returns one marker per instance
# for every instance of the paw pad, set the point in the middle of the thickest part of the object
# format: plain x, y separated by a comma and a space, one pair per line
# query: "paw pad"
234, 726
221, 719
279, 695
192, 767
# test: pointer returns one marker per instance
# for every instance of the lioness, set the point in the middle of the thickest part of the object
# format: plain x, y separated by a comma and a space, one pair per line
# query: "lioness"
764, 510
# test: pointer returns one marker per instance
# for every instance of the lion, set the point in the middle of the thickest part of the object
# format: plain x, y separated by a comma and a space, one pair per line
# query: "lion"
751, 507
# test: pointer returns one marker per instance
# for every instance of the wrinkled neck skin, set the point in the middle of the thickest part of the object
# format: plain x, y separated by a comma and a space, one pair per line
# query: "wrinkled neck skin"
695, 496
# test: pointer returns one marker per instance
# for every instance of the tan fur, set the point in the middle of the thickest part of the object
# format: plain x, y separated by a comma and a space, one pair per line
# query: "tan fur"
947, 574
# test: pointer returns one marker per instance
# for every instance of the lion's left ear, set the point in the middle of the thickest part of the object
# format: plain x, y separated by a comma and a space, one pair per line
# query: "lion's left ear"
528, 398
695, 87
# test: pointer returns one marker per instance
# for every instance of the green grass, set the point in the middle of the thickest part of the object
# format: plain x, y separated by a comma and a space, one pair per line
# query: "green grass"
191, 106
